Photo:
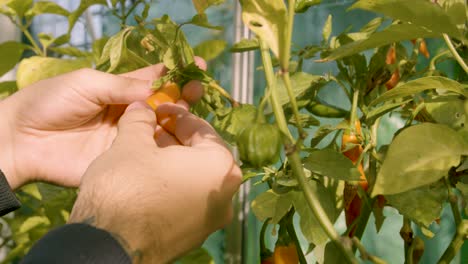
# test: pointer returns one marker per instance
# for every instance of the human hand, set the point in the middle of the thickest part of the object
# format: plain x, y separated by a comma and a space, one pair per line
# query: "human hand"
159, 202
52, 130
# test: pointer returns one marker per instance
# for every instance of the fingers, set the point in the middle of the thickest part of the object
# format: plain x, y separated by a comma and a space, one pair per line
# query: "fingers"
149, 73
104, 88
137, 123
192, 92
164, 139
189, 129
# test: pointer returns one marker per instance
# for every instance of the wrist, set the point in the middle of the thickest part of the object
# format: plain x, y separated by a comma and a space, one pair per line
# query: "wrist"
140, 246
7, 151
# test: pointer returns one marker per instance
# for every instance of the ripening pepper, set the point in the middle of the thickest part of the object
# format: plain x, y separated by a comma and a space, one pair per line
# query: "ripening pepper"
259, 145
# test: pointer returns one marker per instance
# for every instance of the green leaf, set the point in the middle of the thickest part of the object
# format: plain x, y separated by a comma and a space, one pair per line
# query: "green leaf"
450, 113
245, 45
320, 134
422, 205
84, 4
393, 33
385, 108
421, 13
456, 10
372, 25
271, 205
197, 256
231, 124
37, 68
20, 6
463, 187
419, 155
33, 222
327, 29
70, 51
330, 163
422, 84
267, 19
301, 83
306, 120
202, 5
210, 49
45, 39
309, 224
10, 52
303, 5
201, 20
32, 190
333, 254
46, 7
7, 88
115, 49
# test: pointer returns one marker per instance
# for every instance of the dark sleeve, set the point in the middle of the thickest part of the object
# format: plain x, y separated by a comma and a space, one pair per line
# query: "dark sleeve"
77, 243
8, 200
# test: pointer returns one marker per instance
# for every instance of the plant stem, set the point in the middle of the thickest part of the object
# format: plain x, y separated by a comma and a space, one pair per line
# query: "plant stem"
293, 236
406, 233
455, 54
354, 106
292, 98
456, 244
436, 57
364, 254
453, 200
271, 84
317, 208
295, 160
36, 47
285, 53
223, 92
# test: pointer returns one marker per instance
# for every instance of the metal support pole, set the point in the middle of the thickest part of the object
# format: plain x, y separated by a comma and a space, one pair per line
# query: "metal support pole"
242, 91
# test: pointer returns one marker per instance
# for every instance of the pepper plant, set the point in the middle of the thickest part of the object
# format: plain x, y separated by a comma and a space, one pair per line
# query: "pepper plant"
311, 176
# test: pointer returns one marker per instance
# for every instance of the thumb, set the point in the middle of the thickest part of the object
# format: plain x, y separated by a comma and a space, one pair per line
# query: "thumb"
137, 124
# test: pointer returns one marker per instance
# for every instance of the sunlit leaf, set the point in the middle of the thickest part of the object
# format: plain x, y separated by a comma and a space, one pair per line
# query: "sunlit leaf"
303, 5
418, 156
451, 113
422, 84
267, 19
84, 4
36, 68
327, 29
46, 7
210, 49
202, 5
391, 34
33, 222
245, 45
331, 163
422, 13
422, 205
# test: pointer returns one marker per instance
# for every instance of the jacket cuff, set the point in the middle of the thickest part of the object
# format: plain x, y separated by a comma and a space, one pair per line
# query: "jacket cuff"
77, 243
8, 200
